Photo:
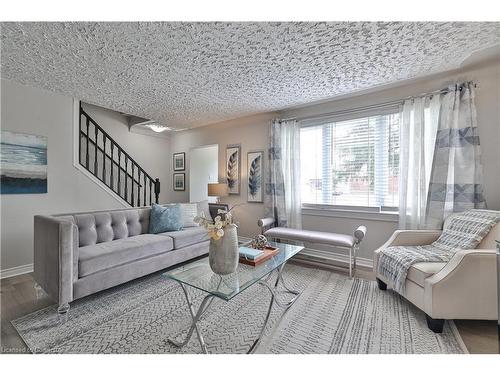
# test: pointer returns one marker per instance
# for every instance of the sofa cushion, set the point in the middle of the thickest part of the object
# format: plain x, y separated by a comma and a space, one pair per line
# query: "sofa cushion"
187, 236
188, 212
421, 271
105, 255
165, 218
97, 227
203, 207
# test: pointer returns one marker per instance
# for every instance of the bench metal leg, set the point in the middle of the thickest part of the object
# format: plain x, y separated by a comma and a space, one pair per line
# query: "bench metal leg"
352, 260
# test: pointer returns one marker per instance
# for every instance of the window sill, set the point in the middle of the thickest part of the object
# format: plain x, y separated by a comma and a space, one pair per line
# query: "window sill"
392, 217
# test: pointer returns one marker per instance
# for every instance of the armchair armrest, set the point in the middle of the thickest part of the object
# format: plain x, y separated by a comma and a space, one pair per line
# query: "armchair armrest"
405, 238
411, 238
55, 256
467, 281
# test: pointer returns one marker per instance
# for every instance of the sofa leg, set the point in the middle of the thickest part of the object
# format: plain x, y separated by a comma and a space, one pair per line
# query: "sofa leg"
435, 325
63, 309
381, 284
39, 293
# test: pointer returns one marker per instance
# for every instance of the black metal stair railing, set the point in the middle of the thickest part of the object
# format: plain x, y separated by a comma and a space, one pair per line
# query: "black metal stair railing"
112, 165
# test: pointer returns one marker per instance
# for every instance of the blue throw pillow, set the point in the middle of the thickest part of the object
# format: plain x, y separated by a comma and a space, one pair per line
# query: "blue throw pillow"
165, 218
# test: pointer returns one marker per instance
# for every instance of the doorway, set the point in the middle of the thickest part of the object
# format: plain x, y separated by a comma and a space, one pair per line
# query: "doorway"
203, 169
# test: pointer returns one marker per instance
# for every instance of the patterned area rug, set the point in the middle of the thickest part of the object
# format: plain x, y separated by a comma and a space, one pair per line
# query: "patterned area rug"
333, 315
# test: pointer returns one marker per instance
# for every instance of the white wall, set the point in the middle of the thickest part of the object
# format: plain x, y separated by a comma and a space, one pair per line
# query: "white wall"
204, 168
35, 111
253, 133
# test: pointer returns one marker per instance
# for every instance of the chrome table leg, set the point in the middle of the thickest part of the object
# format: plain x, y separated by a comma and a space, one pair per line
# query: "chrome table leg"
274, 292
195, 316
205, 304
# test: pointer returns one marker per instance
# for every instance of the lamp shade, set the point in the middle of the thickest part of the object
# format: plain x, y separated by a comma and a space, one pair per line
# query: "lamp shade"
217, 190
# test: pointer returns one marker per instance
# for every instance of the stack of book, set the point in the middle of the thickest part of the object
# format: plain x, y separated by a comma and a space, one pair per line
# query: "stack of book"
254, 257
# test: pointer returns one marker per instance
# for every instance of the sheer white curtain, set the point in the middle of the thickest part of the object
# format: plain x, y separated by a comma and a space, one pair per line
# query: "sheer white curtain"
282, 198
419, 125
290, 163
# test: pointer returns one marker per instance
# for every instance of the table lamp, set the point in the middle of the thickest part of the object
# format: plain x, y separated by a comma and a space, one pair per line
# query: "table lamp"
217, 190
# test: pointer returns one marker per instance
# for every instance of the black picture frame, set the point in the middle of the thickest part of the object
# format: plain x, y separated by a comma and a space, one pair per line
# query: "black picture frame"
182, 177
181, 158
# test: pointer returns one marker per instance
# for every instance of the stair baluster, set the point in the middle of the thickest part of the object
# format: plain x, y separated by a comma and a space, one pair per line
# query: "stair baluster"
142, 181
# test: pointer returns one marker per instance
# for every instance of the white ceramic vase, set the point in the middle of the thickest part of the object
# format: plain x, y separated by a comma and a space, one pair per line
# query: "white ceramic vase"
223, 253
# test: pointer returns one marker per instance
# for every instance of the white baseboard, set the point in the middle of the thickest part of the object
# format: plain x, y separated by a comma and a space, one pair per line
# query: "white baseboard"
14, 271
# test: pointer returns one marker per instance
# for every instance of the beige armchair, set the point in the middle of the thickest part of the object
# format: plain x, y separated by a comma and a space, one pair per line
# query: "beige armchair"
463, 288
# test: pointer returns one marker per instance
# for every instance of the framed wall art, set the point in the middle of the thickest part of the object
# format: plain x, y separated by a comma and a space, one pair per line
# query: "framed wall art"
24, 163
233, 170
179, 181
255, 173
179, 160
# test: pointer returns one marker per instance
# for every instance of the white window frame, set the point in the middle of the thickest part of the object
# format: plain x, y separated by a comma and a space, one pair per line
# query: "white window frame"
382, 213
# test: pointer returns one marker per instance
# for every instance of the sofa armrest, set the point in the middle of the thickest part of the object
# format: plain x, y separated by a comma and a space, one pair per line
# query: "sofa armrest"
55, 256
465, 286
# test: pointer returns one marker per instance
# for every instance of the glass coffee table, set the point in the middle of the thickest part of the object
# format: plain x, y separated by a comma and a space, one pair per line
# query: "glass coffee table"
199, 275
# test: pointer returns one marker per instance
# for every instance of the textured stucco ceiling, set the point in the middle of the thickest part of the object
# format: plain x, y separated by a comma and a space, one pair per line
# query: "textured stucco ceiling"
191, 74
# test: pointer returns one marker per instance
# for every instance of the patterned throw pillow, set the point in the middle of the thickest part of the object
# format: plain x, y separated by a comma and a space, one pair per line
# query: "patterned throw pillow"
188, 212
203, 207
165, 218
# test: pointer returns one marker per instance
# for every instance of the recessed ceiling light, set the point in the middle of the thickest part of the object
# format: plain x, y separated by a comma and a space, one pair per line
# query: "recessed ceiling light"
158, 128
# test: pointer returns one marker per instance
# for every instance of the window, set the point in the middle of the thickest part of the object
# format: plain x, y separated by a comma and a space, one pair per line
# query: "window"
352, 162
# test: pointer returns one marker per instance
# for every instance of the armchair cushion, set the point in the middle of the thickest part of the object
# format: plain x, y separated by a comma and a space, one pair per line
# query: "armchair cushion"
421, 271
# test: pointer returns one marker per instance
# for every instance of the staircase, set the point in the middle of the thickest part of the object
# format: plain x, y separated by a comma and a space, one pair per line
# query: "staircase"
112, 165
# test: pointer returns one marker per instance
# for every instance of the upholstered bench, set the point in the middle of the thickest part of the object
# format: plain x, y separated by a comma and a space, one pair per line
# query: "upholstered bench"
344, 241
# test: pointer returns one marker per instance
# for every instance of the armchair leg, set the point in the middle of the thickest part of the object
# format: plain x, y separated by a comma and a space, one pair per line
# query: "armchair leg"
381, 284
435, 325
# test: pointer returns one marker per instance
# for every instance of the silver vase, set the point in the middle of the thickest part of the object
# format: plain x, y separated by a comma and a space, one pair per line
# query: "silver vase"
223, 253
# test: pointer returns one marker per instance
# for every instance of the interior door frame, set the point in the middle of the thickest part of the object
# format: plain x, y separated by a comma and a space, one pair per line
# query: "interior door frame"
190, 160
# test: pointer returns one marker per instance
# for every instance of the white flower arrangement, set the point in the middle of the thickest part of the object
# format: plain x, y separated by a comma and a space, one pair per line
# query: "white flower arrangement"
216, 228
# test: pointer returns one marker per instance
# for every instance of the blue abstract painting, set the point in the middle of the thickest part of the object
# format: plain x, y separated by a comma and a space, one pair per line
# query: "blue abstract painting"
23, 168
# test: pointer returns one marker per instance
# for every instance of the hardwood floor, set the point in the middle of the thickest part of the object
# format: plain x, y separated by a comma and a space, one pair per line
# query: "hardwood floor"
18, 298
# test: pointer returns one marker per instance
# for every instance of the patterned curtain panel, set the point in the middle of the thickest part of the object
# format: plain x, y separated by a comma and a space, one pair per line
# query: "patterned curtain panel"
282, 190
456, 181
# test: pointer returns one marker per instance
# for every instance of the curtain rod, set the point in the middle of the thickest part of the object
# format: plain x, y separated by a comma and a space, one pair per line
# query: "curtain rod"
381, 105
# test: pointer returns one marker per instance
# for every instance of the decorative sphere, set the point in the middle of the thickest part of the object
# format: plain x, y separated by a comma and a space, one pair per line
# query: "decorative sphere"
259, 242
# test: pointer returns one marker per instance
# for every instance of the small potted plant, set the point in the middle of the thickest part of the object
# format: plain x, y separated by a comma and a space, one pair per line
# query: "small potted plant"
223, 253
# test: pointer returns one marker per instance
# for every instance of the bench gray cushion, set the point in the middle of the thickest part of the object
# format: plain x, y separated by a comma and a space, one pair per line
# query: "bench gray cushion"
332, 239
105, 255
187, 236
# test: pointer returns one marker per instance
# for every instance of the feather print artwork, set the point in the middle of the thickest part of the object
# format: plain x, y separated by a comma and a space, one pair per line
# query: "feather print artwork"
232, 170
255, 170
254, 176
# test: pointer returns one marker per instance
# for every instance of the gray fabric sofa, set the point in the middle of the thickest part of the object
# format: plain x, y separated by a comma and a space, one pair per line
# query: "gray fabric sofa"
79, 254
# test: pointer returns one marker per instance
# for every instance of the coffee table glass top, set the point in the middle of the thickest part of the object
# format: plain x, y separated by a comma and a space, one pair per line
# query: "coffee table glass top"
198, 274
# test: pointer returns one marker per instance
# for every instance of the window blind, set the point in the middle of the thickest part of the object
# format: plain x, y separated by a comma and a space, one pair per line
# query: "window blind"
351, 162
